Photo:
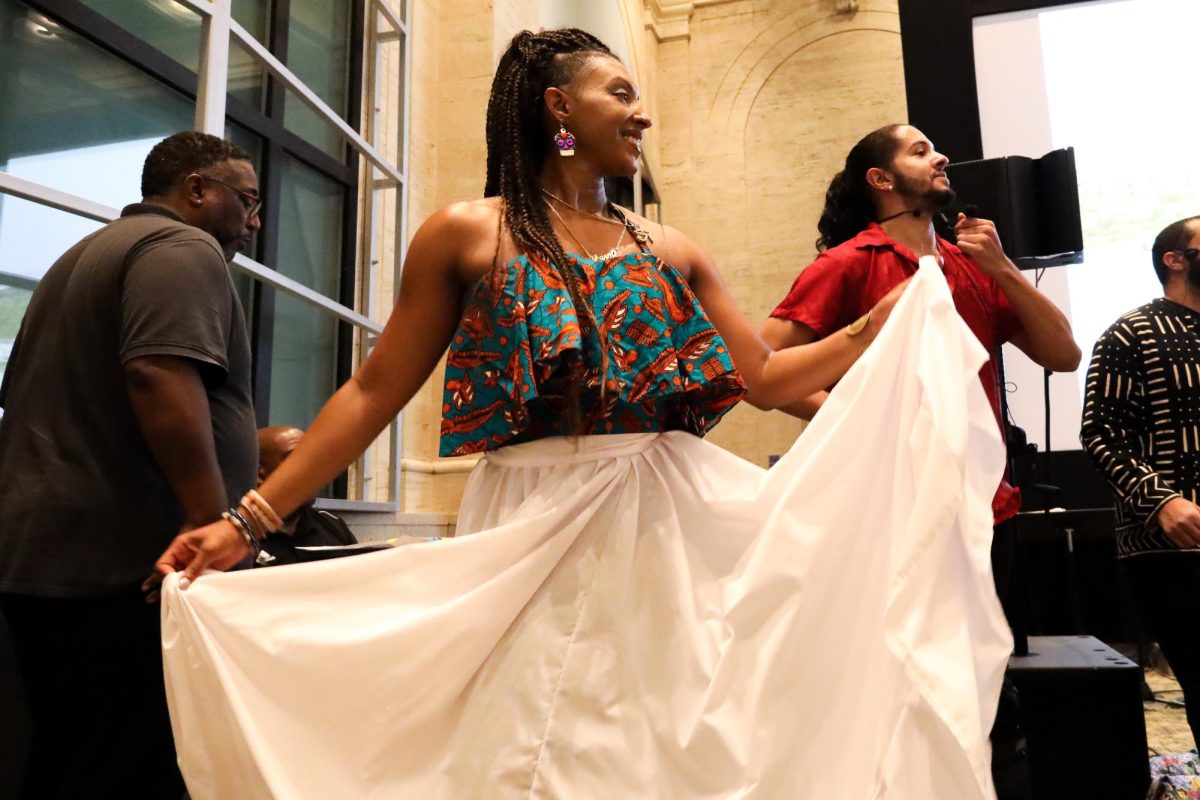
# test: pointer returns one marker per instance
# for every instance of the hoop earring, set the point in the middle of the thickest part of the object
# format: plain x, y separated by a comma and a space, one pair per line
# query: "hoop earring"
564, 140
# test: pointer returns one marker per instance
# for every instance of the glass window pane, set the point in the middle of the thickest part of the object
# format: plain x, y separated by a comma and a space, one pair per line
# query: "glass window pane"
303, 361
383, 238
77, 118
32, 237
304, 348
310, 227
253, 15
397, 6
319, 47
244, 285
391, 85
13, 301
312, 127
165, 25
252, 144
247, 79
319, 55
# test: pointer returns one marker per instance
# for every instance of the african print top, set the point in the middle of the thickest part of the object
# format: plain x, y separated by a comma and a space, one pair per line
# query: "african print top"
519, 349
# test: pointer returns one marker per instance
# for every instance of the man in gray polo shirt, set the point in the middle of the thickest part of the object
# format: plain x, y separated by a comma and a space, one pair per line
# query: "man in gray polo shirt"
127, 418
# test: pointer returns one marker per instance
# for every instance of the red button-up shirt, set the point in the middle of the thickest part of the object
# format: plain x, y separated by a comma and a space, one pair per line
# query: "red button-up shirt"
848, 280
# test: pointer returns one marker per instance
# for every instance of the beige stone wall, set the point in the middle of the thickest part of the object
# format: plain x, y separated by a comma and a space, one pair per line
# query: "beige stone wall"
755, 104
758, 105
644, 57
456, 45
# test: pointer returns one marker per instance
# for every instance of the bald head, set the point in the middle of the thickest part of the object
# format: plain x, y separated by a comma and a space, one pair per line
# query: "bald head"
274, 445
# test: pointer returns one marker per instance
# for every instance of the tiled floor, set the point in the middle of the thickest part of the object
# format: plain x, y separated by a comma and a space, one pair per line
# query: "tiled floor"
1167, 730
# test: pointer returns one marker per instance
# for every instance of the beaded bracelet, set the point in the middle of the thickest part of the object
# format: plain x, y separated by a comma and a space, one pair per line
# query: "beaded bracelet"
254, 518
235, 518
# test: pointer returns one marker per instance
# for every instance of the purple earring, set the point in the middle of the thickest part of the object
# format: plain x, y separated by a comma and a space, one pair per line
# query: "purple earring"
564, 140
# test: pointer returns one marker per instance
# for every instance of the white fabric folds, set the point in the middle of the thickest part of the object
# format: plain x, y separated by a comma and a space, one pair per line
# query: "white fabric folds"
641, 616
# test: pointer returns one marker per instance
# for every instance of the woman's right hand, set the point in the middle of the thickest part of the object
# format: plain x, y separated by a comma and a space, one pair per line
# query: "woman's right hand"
216, 546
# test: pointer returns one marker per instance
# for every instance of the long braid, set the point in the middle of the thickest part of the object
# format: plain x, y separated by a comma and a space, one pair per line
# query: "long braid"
517, 145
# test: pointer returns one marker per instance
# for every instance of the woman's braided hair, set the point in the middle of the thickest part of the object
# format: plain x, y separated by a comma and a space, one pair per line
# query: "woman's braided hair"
517, 147
849, 207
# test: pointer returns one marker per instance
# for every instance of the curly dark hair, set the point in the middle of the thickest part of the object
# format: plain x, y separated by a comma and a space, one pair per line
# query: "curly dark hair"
181, 154
1172, 238
848, 204
517, 146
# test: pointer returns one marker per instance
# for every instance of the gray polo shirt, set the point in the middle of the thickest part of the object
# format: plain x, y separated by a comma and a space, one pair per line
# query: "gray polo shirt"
84, 507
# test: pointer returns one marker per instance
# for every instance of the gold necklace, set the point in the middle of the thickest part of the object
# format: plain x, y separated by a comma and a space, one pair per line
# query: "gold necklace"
602, 257
579, 210
642, 236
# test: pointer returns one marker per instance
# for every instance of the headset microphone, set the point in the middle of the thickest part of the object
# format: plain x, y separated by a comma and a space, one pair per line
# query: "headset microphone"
968, 210
916, 212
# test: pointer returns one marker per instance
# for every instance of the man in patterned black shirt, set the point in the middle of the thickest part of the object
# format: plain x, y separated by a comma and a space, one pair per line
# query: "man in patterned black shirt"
1141, 427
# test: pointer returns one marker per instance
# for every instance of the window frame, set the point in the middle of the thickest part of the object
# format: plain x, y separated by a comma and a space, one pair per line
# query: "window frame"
363, 169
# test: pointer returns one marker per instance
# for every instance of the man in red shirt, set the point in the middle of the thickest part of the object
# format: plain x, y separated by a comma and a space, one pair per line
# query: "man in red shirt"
877, 221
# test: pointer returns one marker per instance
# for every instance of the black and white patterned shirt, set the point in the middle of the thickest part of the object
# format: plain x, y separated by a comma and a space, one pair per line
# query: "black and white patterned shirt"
1141, 417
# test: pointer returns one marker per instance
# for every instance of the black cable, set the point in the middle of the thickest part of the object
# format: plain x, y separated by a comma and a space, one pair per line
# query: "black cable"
1046, 397
916, 212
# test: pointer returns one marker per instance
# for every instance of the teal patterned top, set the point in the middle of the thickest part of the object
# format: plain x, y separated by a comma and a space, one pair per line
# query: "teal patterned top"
518, 349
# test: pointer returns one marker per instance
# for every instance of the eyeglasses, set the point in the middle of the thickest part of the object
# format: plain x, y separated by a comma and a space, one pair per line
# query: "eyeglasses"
1190, 254
250, 201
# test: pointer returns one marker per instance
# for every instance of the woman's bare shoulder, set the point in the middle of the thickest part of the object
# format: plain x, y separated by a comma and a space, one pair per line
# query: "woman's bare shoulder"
469, 218
464, 234
666, 242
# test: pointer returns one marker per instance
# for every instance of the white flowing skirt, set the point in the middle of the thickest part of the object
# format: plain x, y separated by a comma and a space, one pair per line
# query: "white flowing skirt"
641, 616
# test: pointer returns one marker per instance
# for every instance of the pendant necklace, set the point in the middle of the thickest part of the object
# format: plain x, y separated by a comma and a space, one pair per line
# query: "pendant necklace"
643, 237
602, 257
579, 210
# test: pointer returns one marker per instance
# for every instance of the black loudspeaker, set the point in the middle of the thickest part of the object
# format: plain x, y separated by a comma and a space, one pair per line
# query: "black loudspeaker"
1081, 711
1033, 201
1057, 187
14, 719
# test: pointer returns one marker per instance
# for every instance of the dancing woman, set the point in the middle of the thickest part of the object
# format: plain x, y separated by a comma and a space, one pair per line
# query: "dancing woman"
644, 306
608, 627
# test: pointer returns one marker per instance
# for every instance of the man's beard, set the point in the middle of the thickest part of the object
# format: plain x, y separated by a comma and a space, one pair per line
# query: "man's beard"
1193, 272
930, 200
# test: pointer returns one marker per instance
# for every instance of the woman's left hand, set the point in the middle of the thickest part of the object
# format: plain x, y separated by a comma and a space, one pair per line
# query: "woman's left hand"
216, 546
